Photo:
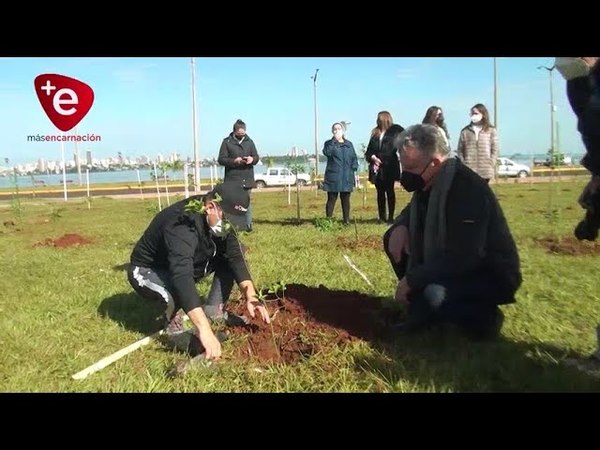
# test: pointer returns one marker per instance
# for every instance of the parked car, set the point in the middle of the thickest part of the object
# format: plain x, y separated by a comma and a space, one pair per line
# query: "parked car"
280, 176
509, 168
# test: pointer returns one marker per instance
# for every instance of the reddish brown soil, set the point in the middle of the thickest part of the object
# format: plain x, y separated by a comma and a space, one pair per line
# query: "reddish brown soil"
363, 242
569, 246
67, 240
309, 320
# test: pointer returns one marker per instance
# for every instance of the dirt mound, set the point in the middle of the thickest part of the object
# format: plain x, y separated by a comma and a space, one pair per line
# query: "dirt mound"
569, 246
309, 320
363, 242
67, 240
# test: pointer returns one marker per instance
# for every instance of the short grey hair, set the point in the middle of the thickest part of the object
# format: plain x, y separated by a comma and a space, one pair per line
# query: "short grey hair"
426, 137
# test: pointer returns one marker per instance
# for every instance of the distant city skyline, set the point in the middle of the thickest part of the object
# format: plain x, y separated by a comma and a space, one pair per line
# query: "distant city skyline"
143, 106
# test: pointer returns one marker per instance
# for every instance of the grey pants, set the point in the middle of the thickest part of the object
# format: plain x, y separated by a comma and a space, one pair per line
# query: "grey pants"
155, 285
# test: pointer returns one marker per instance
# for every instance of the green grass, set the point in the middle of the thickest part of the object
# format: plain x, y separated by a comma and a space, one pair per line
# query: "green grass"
64, 309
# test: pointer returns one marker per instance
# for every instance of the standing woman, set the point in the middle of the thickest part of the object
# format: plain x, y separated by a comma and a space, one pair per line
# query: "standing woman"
435, 116
384, 166
478, 145
342, 163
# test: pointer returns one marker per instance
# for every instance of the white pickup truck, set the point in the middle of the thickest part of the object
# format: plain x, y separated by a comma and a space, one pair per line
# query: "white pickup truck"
280, 176
509, 168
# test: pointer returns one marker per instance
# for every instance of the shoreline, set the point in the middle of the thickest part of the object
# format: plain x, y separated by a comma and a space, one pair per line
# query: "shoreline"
150, 192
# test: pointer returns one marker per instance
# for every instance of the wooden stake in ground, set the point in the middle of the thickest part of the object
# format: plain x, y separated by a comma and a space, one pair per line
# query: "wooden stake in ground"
108, 360
364, 277
115, 356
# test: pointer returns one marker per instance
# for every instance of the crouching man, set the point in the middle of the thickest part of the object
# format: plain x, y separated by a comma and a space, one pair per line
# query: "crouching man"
183, 244
451, 247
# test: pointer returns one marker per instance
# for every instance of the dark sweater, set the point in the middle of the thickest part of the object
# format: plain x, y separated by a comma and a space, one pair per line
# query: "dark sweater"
477, 237
180, 242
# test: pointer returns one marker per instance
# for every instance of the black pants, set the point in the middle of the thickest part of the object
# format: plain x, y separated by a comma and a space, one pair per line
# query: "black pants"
469, 302
345, 200
386, 189
155, 285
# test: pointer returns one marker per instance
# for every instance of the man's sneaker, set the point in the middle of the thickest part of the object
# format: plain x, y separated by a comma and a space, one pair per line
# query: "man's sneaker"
230, 320
189, 343
219, 316
419, 318
175, 325
489, 331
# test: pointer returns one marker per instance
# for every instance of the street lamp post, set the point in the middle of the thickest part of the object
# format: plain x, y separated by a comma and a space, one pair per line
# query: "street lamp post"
550, 70
314, 78
495, 96
196, 163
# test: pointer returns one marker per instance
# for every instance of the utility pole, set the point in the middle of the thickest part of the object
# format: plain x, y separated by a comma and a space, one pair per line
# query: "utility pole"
78, 157
495, 95
314, 78
194, 130
552, 147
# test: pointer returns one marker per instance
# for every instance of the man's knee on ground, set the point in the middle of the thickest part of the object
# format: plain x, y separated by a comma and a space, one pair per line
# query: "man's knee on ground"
435, 295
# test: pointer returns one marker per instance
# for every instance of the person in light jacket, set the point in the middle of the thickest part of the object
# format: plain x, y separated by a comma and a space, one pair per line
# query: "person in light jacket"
478, 145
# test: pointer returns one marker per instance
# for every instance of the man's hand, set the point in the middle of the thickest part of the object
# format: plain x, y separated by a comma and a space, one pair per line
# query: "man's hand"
209, 341
248, 159
376, 160
399, 243
211, 344
238, 160
253, 305
402, 291
252, 302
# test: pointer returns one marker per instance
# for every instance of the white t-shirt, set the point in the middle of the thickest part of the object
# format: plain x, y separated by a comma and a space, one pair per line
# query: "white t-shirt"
477, 129
381, 139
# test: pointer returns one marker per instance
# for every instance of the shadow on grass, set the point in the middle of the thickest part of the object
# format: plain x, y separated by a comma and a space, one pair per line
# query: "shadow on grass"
445, 361
441, 359
285, 222
295, 222
132, 312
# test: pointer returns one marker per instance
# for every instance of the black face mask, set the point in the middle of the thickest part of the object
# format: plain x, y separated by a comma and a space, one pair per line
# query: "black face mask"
413, 182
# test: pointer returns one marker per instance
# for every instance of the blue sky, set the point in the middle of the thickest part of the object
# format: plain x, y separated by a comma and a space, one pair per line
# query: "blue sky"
143, 106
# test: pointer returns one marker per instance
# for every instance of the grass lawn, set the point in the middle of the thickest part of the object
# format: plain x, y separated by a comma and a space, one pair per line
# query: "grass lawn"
62, 309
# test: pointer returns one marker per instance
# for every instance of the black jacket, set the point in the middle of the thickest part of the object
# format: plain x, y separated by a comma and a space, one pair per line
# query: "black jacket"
477, 237
584, 96
390, 168
180, 242
231, 149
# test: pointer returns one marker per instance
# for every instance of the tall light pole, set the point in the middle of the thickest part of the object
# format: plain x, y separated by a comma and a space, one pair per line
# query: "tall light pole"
314, 78
495, 96
194, 131
550, 70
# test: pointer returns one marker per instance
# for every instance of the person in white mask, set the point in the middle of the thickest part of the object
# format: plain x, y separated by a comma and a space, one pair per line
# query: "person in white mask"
478, 145
183, 244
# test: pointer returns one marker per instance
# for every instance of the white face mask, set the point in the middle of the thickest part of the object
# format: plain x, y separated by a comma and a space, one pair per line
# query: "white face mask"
476, 118
218, 230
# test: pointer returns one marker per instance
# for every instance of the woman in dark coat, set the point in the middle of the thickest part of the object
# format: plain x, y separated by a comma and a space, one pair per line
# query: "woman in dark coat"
342, 164
384, 166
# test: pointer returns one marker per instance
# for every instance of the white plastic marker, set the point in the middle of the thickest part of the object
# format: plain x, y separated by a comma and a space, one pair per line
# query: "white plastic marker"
185, 180
87, 182
167, 188
157, 190
364, 277
108, 360
140, 183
